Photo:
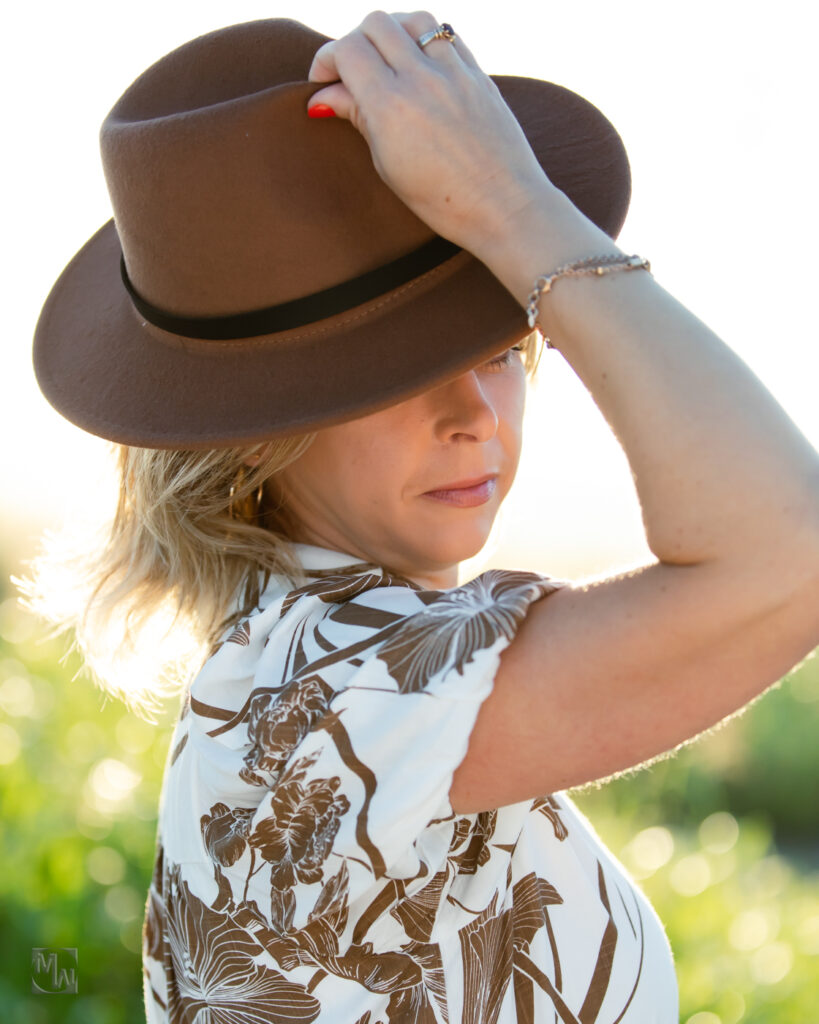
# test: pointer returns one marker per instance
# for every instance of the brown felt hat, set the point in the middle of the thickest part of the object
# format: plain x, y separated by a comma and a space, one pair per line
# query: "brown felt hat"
258, 277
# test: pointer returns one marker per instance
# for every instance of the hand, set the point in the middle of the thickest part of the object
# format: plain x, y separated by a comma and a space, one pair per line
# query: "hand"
440, 133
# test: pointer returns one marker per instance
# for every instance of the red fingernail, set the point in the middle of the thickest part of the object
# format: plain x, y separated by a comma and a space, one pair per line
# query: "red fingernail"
321, 110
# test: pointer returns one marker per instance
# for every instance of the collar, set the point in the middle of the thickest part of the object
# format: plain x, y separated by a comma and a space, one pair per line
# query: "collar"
319, 562
312, 556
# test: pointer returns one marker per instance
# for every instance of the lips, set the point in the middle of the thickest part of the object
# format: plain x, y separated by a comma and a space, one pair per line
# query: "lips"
462, 484
465, 493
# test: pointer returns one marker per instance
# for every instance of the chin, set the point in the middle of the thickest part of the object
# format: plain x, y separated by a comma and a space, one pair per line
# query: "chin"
456, 543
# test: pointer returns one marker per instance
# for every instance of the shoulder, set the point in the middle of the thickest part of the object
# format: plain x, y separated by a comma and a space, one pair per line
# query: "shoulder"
494, 590
336, 623
416, 633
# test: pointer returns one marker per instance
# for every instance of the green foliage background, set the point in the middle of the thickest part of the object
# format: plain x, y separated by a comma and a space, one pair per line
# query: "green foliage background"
724, 838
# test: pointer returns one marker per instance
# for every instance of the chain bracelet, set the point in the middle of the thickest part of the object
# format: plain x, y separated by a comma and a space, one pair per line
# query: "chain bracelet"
591, 265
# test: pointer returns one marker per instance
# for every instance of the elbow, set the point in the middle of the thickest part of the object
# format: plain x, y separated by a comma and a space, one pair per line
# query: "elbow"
796, 564
789, 547
812, 538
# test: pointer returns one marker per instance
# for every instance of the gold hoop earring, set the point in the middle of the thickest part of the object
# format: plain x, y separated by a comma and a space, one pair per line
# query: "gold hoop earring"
235, 485
250, 506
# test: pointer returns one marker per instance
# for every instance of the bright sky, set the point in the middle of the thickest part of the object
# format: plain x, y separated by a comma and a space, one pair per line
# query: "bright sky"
715, 101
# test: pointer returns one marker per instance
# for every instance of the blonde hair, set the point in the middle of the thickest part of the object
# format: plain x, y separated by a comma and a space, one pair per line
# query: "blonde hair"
192, 543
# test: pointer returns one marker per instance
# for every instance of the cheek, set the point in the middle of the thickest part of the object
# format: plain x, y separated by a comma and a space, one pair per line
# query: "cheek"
353, 462
510, 401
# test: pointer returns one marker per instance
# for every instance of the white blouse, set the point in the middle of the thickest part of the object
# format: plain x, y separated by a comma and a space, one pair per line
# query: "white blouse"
309, 865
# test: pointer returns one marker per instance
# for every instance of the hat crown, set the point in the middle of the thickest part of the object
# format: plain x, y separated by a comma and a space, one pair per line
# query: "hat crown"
220, 66
227, 197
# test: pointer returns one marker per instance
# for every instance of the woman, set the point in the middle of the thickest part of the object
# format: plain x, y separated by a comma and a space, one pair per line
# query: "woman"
362, 817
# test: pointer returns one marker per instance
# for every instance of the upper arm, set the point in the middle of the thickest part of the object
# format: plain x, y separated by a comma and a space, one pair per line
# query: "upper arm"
602, 677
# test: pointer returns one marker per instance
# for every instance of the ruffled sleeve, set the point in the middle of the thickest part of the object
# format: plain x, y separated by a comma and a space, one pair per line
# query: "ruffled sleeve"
365, 690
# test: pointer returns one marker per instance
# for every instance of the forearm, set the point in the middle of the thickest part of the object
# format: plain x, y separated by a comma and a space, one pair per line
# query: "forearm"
720, 469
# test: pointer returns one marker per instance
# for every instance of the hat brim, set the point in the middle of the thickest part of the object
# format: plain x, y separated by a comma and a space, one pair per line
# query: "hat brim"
115, 375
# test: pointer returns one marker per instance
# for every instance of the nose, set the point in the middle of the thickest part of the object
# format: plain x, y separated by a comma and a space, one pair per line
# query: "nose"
463, 408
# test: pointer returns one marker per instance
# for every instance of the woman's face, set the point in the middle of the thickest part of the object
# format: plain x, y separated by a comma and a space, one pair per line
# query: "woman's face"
389, 487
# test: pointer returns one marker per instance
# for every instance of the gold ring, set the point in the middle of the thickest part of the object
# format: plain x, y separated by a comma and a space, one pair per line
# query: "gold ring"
443, 31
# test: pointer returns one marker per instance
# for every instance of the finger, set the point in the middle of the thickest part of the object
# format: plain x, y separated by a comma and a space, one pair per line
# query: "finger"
327, 62
323, 68
396, 38
356, 69
441, 51
392, 41
419, 22
339, 98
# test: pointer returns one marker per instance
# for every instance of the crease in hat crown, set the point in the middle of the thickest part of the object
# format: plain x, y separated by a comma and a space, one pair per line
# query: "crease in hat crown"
229, 199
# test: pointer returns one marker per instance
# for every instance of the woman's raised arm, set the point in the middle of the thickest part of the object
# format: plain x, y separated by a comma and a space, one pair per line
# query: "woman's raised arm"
721, 471
602, 677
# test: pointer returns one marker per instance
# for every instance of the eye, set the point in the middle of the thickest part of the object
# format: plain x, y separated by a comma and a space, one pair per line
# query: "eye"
505, 358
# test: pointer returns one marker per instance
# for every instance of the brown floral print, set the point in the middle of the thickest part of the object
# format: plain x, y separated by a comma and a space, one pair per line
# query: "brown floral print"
308, 863
154, 924
470, 849
224, 832
418, 913
337, 587
486, 951
462, 621
240, 635
297, 835
215, 973
550, 808
277, 723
